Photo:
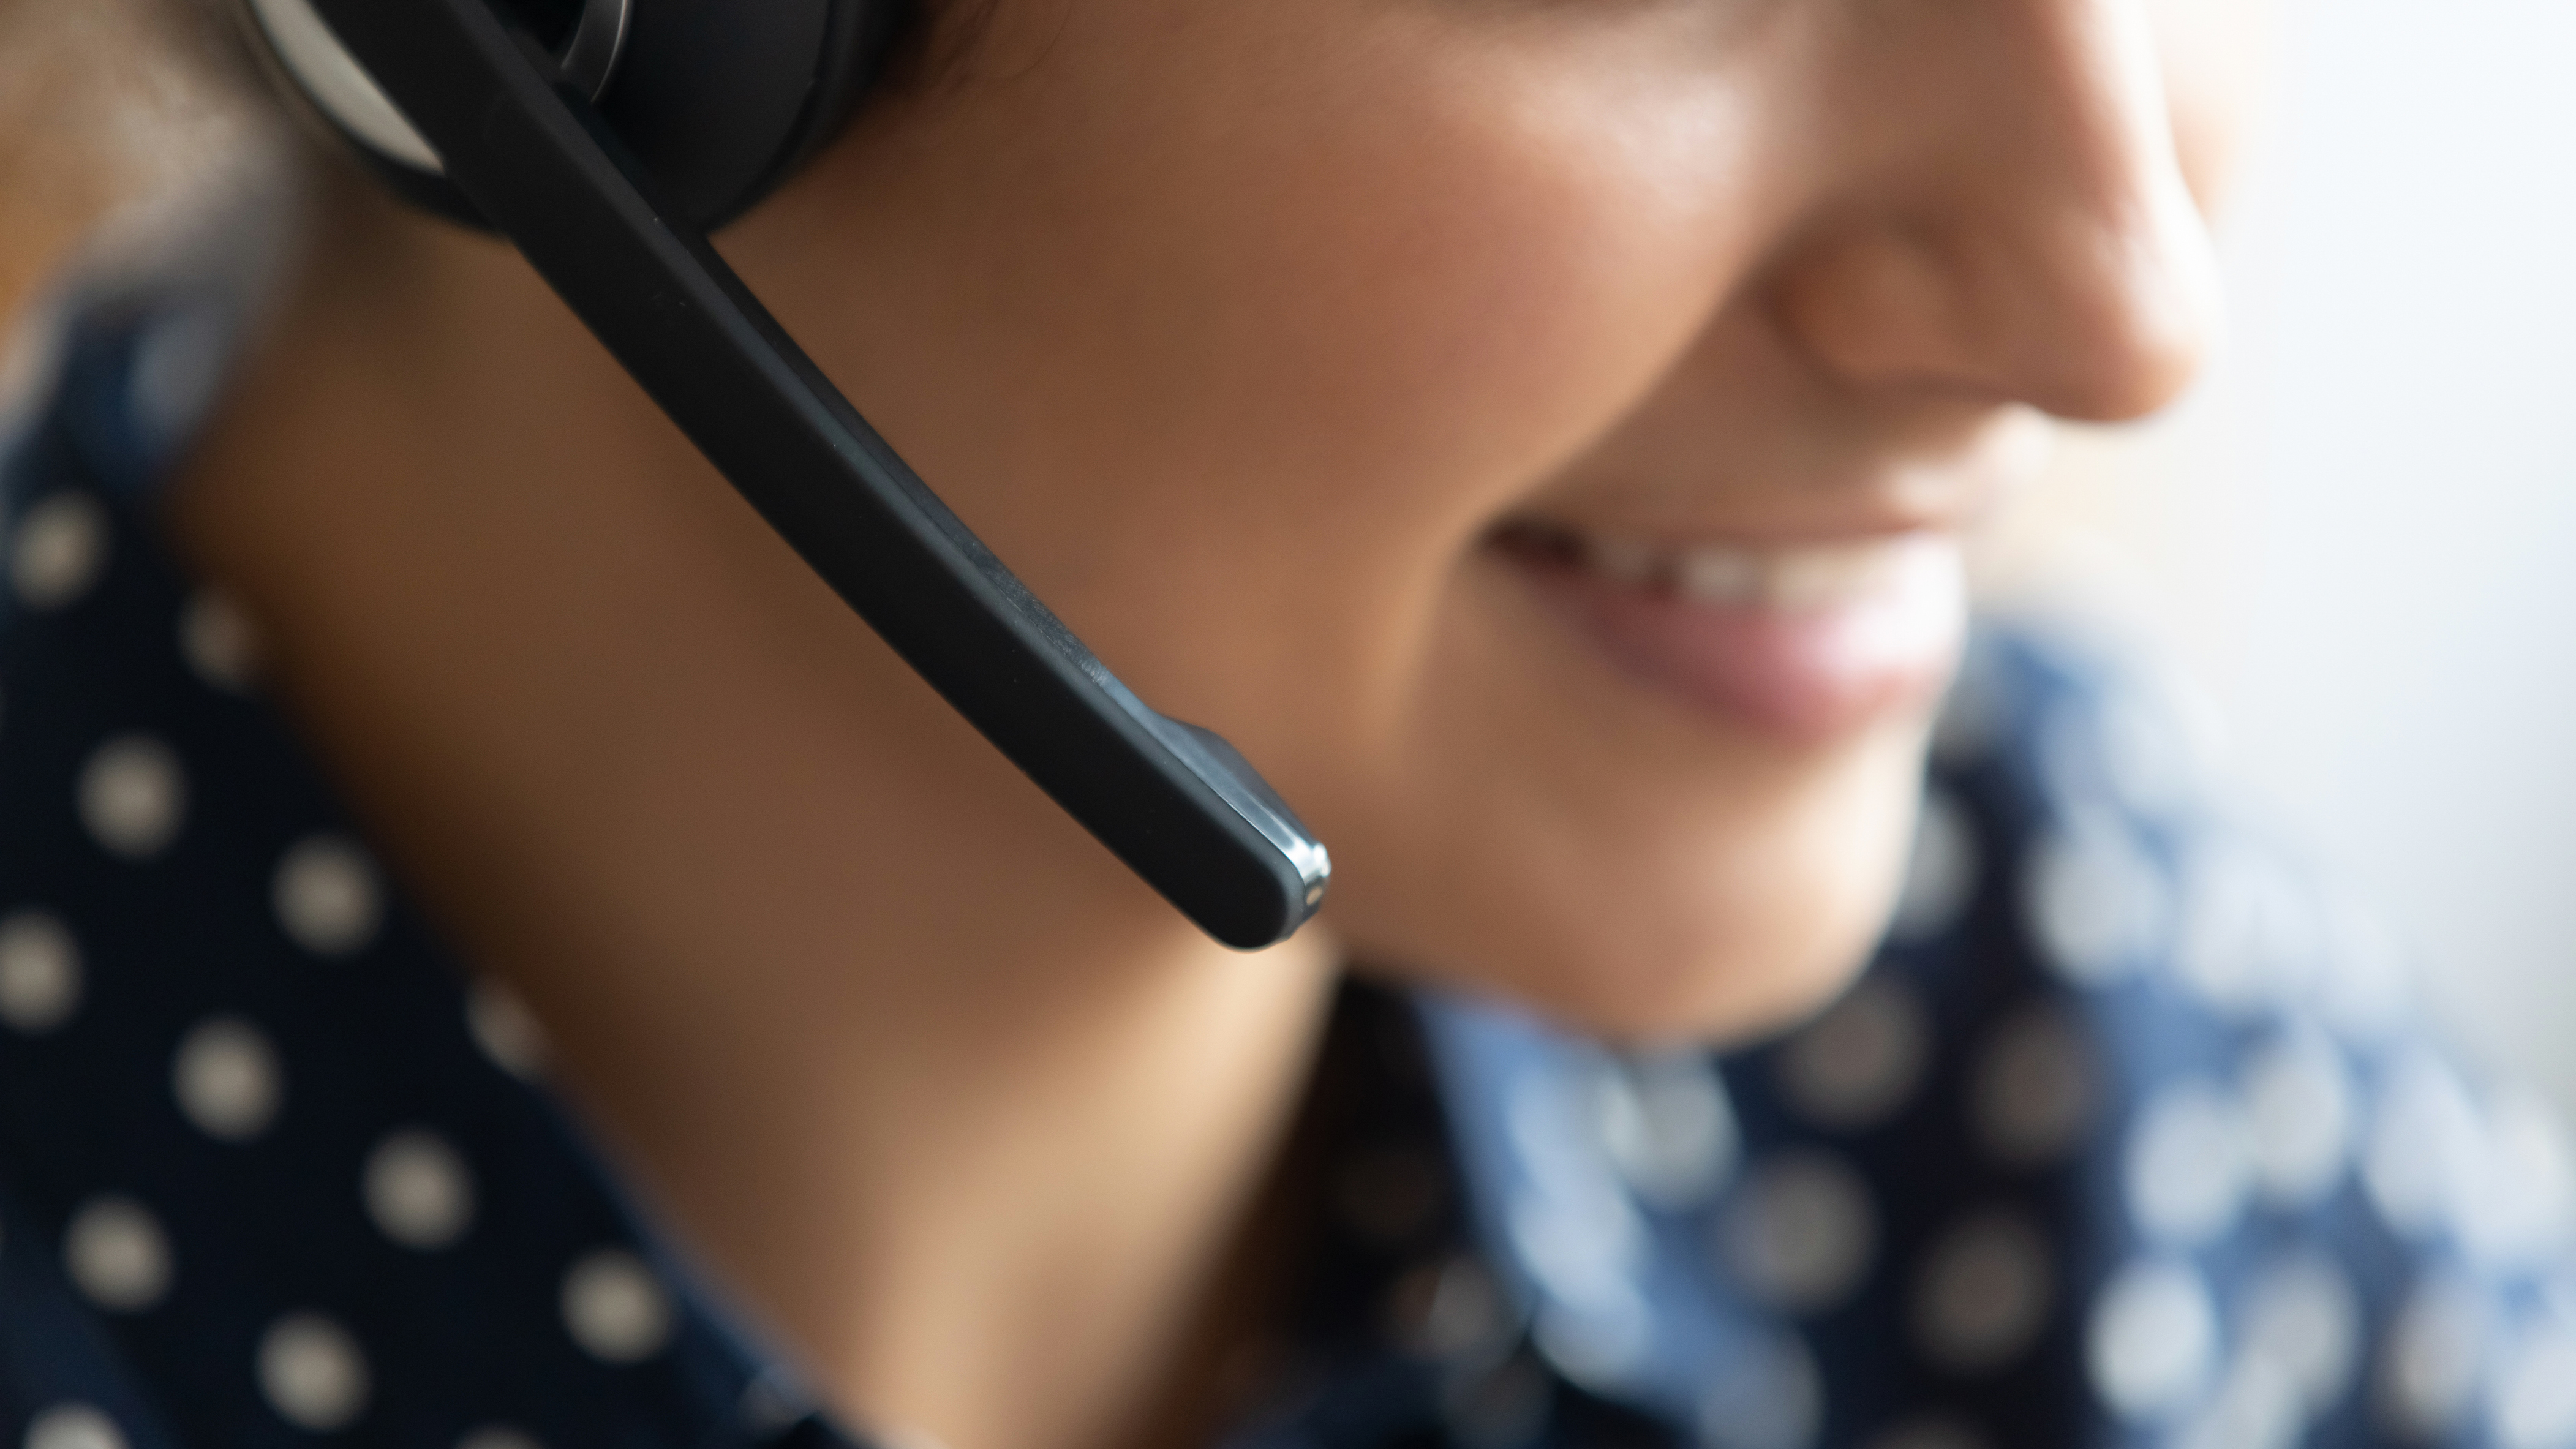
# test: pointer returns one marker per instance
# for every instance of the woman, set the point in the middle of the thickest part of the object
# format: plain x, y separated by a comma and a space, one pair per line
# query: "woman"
1541, 438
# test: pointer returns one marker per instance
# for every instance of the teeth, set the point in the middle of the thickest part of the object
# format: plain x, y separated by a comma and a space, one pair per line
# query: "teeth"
1791, 579
1811, 578
1720, 575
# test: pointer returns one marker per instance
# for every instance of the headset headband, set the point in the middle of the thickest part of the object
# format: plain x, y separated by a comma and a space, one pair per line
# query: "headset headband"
511, 138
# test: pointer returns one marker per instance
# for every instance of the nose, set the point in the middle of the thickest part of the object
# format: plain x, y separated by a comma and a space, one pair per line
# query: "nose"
2016, 220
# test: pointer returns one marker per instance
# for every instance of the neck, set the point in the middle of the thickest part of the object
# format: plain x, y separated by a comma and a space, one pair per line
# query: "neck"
911, 1063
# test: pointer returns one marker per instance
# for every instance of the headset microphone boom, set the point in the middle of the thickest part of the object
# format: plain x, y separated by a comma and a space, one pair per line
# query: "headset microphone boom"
568, 129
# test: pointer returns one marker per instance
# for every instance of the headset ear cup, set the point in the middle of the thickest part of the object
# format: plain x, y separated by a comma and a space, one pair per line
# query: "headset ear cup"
323, 115
722, 107
720, 100
860, 40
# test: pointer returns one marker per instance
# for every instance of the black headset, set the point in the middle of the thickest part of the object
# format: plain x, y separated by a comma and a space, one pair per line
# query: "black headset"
604, 138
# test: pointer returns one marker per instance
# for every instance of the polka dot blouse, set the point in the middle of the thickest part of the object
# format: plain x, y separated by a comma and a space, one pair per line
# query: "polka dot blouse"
2127, 1137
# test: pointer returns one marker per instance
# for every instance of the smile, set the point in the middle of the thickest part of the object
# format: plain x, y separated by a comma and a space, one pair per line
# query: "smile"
1807, 641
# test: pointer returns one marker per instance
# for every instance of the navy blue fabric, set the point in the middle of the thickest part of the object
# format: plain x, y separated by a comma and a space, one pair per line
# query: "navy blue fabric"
369, 1041
2126, 1137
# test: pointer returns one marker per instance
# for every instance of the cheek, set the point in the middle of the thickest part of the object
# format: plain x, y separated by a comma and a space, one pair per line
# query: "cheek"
1467, 292
1288, 311
1403, 281
1267, 310
1333, 349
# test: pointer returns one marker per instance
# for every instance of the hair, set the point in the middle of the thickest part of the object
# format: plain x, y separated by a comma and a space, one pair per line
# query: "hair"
117, 116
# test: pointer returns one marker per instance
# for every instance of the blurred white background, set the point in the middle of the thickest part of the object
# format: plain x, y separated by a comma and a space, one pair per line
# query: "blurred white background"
2360, 534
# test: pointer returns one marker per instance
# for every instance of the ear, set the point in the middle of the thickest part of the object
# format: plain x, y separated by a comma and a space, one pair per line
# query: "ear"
720, 110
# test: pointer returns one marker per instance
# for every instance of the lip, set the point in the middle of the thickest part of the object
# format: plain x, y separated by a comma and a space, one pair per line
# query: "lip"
1807, 641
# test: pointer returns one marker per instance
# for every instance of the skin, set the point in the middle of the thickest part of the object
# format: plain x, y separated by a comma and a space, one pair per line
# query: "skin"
76, 140
1236, 328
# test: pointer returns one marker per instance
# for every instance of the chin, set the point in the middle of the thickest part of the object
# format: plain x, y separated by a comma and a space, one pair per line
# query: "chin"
1716, 983
1714, 931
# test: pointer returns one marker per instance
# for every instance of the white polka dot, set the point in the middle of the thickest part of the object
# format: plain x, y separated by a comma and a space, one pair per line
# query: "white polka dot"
2532, 1404
117, 1255
1666, 1125
2152, 1340
501, 1436
1451, 1309
40, 972
1941, 874
2249, 932
60, 550
2434, 1357
2034, 1089
2153, 740
326, 896
1504, 1405
1599, 1343
1556, 1139
2254, 1408
2367, 990
2424, 1147
1800, 1233
73, 1426
1581, 1239
219, 642
1856, 1065
2298, 1108
2303, 1318
418, 1190
1982, 1294
2126, 744
505, 1029
2558, 1294
133, 796
2093, 902
2185, 1173
1932, 1432
227, 1079
1766, 1394
1575, 1226
615, 1308
177, 369
312, 1372
2519, 1214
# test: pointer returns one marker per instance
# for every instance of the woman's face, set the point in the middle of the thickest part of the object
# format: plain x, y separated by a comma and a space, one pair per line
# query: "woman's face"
1536, 431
